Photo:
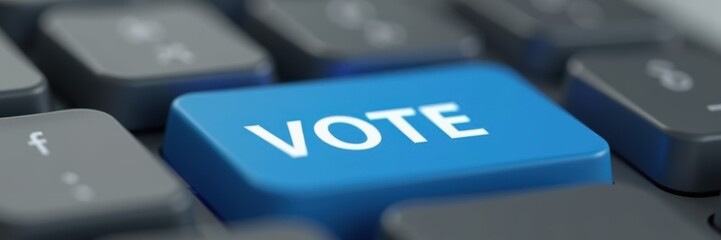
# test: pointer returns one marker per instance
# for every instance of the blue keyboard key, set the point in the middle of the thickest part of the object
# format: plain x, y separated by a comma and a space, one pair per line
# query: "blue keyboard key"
340, 152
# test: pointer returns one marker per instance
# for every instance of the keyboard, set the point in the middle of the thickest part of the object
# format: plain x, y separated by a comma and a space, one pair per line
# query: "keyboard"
360, 119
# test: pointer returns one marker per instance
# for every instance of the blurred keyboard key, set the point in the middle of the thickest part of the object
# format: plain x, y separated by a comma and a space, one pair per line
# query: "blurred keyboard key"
79, 174
23, 89
340, 37
441, 8
540, 35
131, 60
591, 213
254, 230
657, 108
697, 20
463, 128
19, 17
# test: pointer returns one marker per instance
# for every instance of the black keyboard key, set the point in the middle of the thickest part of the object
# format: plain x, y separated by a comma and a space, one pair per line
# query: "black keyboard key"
657, 108
540, 35
77, 174
339, 37
23, 89
269, 229
591, 213
132, 60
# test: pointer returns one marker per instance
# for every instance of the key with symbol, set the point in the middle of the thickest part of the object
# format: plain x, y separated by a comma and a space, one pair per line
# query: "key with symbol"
540, 35
132, 59
23, 89
433, 132
79, 174
340, 37
656, 109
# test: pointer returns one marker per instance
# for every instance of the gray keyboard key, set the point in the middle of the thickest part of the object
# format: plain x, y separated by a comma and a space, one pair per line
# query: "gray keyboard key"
78, 173
23, 90
659, 109
590, 213
340, 37
540, 35
19, 17
268, 229
698, 20
131, 60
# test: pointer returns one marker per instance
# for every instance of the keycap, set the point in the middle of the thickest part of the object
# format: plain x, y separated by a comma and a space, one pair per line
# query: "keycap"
132, 59
23, 89
657, 108
339, 37
266, 229
697, 20
592, 212
538, 36
19, 17
341, 151
79, 174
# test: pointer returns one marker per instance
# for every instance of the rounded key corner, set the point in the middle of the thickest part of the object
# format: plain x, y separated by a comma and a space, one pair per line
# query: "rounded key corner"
575, 64
686, 135
391, 218
603, 149
599, 147
38, 86
177, 199
89, 112
181, 101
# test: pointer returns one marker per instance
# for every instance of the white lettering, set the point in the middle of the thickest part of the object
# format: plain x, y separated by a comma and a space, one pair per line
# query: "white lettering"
373, 137
298, 148
396, 117
434, 113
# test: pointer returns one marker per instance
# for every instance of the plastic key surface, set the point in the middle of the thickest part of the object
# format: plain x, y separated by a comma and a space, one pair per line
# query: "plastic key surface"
312, 39
659, 109
23, 89
540, 35
266, 229
78, 174
589, 212
132, 59
19, 17
340, 152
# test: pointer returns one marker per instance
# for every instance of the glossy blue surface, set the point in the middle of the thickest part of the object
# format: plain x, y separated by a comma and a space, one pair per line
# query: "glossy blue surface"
531, 143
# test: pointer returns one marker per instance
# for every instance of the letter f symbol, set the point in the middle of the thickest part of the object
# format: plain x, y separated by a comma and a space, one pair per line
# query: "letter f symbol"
37, 141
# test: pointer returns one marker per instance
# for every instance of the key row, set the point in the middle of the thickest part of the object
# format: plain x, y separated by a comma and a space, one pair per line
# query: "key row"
168, 60
136, 58
537, 35
424, 134
131, 60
